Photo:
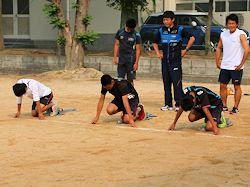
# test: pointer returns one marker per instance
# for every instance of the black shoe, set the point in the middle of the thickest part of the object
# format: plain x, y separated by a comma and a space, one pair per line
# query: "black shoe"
234, 111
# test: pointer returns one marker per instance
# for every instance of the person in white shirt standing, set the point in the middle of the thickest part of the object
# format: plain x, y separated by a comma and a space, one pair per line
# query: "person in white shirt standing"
235, 53
40, 94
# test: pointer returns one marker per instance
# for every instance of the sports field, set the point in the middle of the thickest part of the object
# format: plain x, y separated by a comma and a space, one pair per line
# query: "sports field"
68, 151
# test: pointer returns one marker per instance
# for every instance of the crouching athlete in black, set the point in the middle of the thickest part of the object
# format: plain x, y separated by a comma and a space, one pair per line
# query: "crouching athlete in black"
126, 100
202, 103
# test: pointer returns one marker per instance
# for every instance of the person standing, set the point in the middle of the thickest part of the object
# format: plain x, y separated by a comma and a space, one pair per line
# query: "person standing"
235, 53
170, 36
128, 46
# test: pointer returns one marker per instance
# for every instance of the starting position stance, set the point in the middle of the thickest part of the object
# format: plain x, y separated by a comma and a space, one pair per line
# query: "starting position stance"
126, 100
202, 103
42, 97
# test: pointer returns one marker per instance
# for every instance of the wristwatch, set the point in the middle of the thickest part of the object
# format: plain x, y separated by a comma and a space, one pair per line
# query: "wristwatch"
187, 49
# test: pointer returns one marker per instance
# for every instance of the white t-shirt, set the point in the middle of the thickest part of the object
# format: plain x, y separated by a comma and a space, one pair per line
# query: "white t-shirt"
35, 90
233, 51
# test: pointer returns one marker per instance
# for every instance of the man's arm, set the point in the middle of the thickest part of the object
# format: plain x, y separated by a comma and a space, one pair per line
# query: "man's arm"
138, 54
211, 120
116, 49
191, 40
218, 54
99, 109
177, 116
128, 109
245, 46
157, 51
17, 115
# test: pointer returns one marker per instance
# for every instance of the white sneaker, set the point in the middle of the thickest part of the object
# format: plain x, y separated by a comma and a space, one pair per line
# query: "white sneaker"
166, 107
177, 109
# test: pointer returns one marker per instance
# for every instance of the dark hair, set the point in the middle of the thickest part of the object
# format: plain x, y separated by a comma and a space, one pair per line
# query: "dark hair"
131, 23
168, 14
19, 89
232, 17
106, 80
187, 102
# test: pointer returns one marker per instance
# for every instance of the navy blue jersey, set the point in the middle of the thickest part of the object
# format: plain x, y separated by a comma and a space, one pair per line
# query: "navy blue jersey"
204, 97
171, 40
127, 45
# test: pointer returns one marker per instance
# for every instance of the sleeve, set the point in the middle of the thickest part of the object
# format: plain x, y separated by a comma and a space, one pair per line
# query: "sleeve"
123, 88
103, 91
117, 35
34, 91
19, 100
138, 38
156, 36
203, 99
186, 34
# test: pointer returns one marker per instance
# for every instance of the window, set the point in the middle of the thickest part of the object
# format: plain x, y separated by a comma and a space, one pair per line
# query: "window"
238, 5
183, 20
23, 6
220, 6
7, 6
201, 7
184, 6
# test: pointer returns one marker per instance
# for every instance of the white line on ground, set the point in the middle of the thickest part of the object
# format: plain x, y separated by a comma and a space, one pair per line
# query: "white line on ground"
144, 129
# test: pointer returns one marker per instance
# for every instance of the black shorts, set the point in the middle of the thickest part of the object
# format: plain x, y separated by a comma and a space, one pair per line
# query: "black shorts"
126, 69
44, 100
215, 112
226, 75
133, 103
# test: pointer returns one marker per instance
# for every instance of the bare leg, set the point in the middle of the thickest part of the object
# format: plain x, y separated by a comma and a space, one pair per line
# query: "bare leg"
34, 113
223, 93
237, 95
112, 109
194, 116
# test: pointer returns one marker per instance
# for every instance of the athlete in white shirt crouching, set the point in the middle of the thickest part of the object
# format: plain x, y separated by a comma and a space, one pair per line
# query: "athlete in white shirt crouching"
40, 94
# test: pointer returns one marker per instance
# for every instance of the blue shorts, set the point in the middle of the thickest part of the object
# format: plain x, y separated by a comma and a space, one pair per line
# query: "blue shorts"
226, 75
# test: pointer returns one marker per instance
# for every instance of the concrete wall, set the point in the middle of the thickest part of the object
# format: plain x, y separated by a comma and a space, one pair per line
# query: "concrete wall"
197, 70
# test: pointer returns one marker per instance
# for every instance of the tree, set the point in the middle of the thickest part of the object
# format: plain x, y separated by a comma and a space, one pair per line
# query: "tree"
1, 28
208, 28
74, 40
129, 8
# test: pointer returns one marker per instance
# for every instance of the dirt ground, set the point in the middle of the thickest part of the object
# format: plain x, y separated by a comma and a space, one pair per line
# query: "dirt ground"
68, 151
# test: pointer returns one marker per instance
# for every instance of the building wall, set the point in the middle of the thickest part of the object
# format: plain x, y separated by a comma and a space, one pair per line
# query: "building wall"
40, 29
221, 16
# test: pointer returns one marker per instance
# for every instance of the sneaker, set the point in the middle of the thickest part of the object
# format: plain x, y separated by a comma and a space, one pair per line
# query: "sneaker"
225, 108
177, 109
141, 114
234, 111
166, 107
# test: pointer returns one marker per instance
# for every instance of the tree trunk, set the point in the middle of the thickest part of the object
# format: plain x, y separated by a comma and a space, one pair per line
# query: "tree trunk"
77, 50
126, 15
74, 50
1, 28
208, 28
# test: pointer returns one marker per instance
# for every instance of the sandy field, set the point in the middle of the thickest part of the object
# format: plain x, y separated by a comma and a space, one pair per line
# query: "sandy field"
68, 151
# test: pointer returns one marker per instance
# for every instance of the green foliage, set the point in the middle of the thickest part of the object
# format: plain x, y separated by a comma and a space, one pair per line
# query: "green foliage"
87, 37
75, 5
61, 40
51, 11
129, 5
86, 21
57, 22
